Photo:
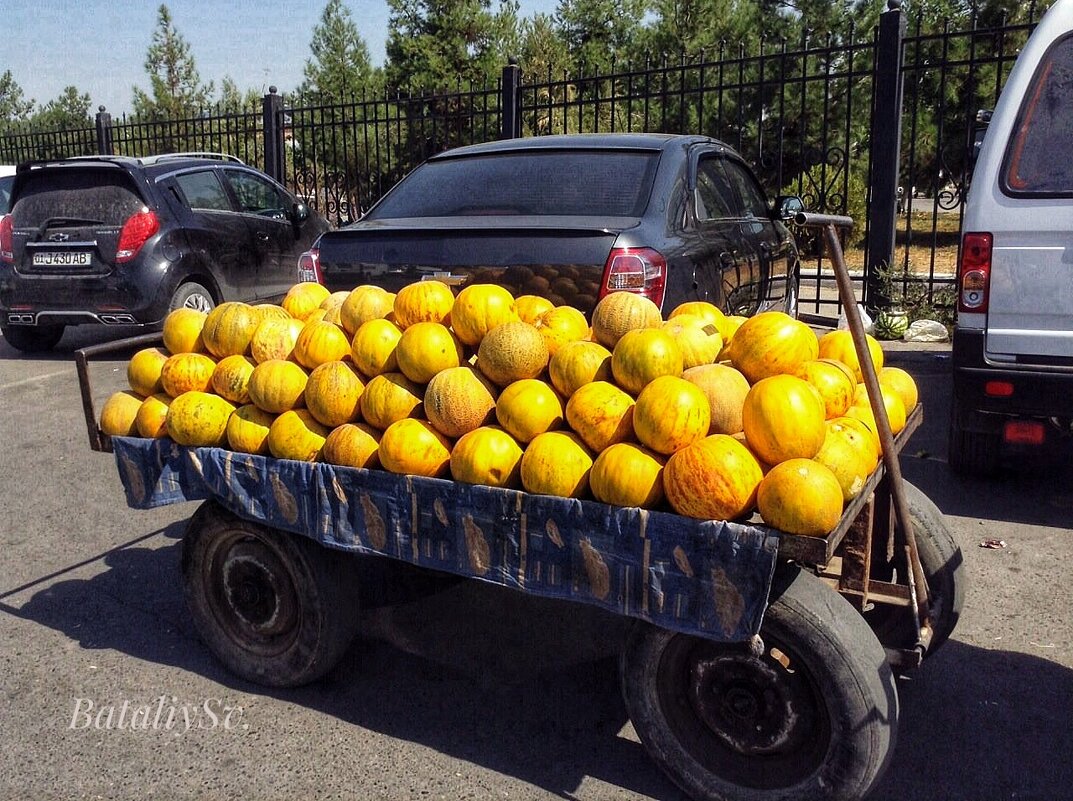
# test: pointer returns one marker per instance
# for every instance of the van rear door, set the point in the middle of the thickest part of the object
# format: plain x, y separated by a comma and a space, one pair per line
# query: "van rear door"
1030, 311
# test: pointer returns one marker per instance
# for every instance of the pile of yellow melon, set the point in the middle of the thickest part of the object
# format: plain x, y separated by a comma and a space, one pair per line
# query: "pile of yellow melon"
708, 416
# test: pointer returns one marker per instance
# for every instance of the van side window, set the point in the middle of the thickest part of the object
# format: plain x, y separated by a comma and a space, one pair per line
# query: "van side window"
1037, 161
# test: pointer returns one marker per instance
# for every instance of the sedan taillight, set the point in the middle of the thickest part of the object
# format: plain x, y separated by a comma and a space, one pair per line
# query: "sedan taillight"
7, 240
639, 270
136, 232
309, 266
974, 272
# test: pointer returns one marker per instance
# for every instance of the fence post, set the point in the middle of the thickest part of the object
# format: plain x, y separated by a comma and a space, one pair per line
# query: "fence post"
886, 151
104, 132
275, 162
510, 101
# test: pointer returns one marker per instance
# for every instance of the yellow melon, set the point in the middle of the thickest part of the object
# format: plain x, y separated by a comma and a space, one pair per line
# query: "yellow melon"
725, 388
783, 418
304, 298
487, 455
365, 303
620, 312
458, 400
478, 309
556, 463
414, 447
528, 407
601, 414
800, 496
352, 445
423, 302
511, 352
374, 345
426, 348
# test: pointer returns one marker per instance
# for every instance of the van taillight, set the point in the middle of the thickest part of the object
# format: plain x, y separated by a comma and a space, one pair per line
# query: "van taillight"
136, 232
309, 266
639, 270
974, 273
7, 240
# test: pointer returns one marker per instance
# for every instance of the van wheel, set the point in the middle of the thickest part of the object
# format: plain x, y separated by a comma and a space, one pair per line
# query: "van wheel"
192, 295
33, 339
971, 452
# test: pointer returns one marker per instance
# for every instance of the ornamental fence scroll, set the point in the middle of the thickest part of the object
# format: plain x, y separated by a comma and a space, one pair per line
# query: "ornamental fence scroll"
814, 117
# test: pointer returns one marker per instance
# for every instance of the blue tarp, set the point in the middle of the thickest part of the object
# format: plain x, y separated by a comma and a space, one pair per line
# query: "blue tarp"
709, 578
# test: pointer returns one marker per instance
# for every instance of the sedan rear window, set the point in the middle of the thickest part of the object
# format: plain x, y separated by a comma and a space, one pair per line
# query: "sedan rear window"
1037, 160
99, 197
545, 183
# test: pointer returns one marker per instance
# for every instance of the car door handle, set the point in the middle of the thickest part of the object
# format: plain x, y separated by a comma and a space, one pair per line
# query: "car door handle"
262, 236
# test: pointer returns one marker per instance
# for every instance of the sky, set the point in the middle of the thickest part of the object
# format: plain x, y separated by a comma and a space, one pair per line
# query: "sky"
99, 46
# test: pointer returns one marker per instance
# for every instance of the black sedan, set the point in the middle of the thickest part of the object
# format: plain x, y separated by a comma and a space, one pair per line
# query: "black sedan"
675, 218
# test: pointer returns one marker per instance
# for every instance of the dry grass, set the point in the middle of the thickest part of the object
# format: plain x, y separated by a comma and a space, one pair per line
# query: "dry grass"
929, 241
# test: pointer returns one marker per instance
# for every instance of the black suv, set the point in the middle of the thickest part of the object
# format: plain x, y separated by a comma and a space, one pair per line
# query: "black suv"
123, 241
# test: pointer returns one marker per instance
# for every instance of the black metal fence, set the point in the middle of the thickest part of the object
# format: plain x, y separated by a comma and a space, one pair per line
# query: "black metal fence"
879, 126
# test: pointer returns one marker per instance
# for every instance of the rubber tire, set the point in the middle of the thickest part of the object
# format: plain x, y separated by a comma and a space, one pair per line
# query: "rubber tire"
833, 652
944, 568
971, 452
322, 584
192, 295
33, 339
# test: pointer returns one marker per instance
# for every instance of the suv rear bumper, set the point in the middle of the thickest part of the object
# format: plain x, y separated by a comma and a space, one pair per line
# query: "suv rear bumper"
1036, 391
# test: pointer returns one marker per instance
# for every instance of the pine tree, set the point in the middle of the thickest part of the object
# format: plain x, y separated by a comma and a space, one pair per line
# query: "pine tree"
177, 90
340, 67
13, 106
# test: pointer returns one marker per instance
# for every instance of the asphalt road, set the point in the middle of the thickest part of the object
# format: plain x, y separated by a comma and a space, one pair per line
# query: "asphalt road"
445, 697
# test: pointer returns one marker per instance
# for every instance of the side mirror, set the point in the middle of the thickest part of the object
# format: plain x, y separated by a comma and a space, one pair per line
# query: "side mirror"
787, 207
299, 212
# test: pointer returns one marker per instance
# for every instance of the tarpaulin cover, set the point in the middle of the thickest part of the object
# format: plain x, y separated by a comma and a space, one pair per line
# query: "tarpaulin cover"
709, 578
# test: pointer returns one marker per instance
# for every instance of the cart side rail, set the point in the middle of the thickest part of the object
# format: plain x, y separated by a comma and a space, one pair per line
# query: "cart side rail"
98, 440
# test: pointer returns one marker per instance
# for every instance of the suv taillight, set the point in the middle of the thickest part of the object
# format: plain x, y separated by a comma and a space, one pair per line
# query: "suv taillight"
309, 266
639, 270
136, 232
974, 273
7, 240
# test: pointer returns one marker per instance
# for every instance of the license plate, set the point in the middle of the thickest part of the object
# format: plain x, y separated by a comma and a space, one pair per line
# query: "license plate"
70, 258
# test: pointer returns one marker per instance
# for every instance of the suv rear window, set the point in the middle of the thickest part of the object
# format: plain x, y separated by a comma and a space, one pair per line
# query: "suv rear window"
1037, 161
104, 196
570, 183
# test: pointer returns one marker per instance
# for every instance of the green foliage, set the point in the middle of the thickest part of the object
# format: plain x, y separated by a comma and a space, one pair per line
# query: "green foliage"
69, 111
599, 33
177, 90
436, 46
914, 295
13, 106
340, 68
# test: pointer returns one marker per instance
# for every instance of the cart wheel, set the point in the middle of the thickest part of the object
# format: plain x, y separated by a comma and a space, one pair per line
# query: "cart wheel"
813, 717
277, 609
944, 567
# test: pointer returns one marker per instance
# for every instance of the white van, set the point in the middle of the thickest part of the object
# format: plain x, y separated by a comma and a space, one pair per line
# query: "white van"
1013, 341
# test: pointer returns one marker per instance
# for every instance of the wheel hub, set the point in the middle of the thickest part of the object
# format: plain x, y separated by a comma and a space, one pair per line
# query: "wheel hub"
746, 703
258, 594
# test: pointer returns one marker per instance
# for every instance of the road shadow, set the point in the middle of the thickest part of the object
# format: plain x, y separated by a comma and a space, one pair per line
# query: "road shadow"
527, 687
980, 724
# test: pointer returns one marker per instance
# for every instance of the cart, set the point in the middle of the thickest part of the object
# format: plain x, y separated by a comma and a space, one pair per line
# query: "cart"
757, 664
